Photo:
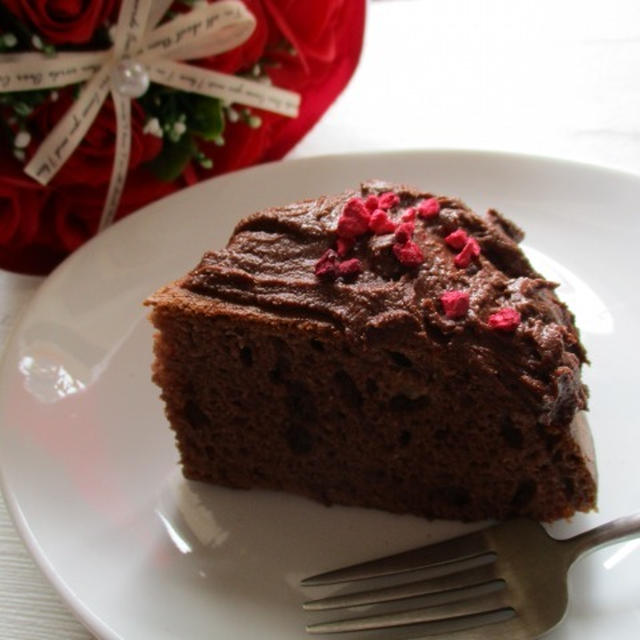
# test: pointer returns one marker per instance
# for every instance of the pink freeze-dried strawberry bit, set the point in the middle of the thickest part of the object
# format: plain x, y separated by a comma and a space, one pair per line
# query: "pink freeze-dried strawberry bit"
457, 239
455, 303
388, 200
507, 319
327, 266
344, 245
380, 223
404, 232
354, 219
429, 208
350, 267
470, 251
408, 254
371, 203
409, 215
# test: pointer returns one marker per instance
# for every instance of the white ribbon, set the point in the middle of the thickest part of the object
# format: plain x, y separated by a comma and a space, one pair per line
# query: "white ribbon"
205, 31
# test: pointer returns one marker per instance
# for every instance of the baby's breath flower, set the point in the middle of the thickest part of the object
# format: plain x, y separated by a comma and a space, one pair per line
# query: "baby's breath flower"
9, 40
176, 130
22, 140
232, 115
152, 126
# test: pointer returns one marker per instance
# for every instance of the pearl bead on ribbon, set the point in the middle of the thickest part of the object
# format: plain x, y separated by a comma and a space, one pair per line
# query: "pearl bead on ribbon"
130, 78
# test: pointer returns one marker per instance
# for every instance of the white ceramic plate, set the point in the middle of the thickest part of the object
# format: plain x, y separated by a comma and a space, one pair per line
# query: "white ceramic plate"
87, 458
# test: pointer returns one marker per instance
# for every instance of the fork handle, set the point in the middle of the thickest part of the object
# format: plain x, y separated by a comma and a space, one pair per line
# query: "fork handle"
617, 530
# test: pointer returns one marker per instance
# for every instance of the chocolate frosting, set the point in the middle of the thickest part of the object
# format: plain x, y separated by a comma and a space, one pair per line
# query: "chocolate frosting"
269, 264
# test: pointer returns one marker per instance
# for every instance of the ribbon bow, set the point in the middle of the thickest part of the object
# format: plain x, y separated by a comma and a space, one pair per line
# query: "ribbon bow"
142, 52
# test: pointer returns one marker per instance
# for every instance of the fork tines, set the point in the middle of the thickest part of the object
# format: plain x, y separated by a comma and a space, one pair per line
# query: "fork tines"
458, 583
468, 547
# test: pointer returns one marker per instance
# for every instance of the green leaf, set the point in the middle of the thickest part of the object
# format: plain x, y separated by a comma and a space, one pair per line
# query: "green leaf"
173, 158
205, 117
22, 109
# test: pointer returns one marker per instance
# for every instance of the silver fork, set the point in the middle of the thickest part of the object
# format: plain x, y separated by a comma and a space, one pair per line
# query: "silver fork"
506, 582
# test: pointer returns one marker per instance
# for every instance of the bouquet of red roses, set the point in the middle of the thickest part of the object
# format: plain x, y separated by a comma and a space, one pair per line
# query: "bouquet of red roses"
177, 137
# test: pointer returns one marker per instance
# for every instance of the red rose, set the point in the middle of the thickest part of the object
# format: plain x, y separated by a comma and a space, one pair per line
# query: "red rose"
21, 201
21, 212
76, 212
64, 21
40, 226
91, 163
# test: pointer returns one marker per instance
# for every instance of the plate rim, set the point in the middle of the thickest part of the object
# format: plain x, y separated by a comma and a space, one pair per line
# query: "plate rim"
90, 619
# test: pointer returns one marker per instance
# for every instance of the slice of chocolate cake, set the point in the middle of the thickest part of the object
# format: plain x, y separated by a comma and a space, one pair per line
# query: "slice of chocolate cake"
384, 348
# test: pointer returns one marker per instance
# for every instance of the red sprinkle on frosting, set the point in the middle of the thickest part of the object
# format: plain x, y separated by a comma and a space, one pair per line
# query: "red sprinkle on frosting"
380, 223
408, 254
388, 200
350, 267
470, 251
429, 208
344, 245
409, 215
455, 303
404, 232
371, 203
507, 319
354, 219
327, 266
457, 239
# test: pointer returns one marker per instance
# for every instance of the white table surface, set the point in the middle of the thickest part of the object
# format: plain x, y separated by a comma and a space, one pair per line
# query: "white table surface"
534, 76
